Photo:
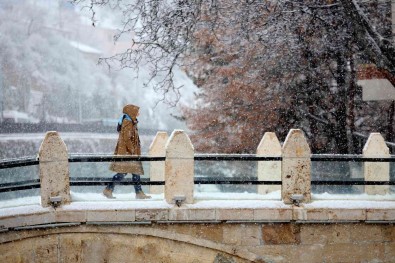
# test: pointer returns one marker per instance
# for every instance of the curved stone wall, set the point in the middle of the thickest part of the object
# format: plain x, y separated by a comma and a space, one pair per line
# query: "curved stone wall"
115, 244
217, 243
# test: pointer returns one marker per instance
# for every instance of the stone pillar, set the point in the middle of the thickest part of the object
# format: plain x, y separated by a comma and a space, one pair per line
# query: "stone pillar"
54, 171
269, 170
375, 147
157, 169
179, 168
296, 167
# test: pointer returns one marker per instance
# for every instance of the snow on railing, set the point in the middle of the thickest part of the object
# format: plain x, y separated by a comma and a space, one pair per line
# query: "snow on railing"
286, 168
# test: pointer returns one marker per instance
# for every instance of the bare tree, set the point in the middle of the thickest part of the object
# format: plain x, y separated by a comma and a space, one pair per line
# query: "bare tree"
298, 58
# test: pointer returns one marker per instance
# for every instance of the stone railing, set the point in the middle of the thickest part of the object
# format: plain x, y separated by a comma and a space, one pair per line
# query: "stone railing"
297, 228
177, 171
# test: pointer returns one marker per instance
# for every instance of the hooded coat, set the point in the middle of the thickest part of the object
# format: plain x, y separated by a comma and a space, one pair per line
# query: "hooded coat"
128, 143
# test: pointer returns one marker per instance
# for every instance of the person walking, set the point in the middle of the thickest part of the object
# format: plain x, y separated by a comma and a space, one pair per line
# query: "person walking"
128, 144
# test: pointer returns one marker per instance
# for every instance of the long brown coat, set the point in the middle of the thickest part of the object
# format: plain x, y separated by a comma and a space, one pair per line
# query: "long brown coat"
128, 143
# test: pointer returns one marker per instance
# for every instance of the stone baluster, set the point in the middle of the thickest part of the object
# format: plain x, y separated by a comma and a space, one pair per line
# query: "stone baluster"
179, 169
157, 169
269, 170
54, 171
296, 168
375, 147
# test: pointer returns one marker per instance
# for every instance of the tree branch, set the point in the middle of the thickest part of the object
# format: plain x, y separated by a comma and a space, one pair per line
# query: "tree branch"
383, 48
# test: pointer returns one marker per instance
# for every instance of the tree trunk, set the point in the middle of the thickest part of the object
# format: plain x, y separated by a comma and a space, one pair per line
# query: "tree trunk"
340, 131
352, 142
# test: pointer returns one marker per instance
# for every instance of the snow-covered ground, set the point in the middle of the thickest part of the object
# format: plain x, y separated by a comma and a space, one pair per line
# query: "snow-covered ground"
210, 199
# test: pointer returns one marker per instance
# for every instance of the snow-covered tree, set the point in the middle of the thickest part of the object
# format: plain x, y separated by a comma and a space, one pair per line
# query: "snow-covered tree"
263, 65
301, 70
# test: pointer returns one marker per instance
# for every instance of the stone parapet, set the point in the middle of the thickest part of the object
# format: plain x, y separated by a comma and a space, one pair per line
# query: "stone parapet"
234, 231
160, 211
293, 169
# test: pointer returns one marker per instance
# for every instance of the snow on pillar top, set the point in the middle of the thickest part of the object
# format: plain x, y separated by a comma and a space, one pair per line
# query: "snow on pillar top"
179, 145
157, 147
375, 145
53, 148
269, 145
295, 145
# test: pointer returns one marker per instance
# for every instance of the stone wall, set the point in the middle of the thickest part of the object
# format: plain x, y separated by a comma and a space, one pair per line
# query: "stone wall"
222, 242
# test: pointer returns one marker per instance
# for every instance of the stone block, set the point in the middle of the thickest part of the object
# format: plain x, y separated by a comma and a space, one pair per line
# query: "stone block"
269, 170
152, 215
179, 168
232, 234
307, 253
380, 214
296, 167
325, 234
100, 216
376, 147
389, 233
279, 234
339, 233
96, 249
251, 235
314, 234
373, 252
317, 214
179, 214
111, 216
28, 220
70, 248
203, 214
275, 253
235, 214
208, 231
366, 233
157, 169
273, 214
211, 232
347, 214
54, 170
125, 215
192, 214
389, 254
70, 216
47, 253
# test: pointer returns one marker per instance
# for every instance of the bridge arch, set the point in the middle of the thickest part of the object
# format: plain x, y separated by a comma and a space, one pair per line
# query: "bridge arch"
90, 243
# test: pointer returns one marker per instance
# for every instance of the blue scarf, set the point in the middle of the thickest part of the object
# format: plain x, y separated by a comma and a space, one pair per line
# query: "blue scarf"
127, 117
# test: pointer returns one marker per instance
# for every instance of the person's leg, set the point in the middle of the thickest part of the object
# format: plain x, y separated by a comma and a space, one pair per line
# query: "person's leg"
137, 188
110, 187
116, 178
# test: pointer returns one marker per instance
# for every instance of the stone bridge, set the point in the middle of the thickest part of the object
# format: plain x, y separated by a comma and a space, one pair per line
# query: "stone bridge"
293, 228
